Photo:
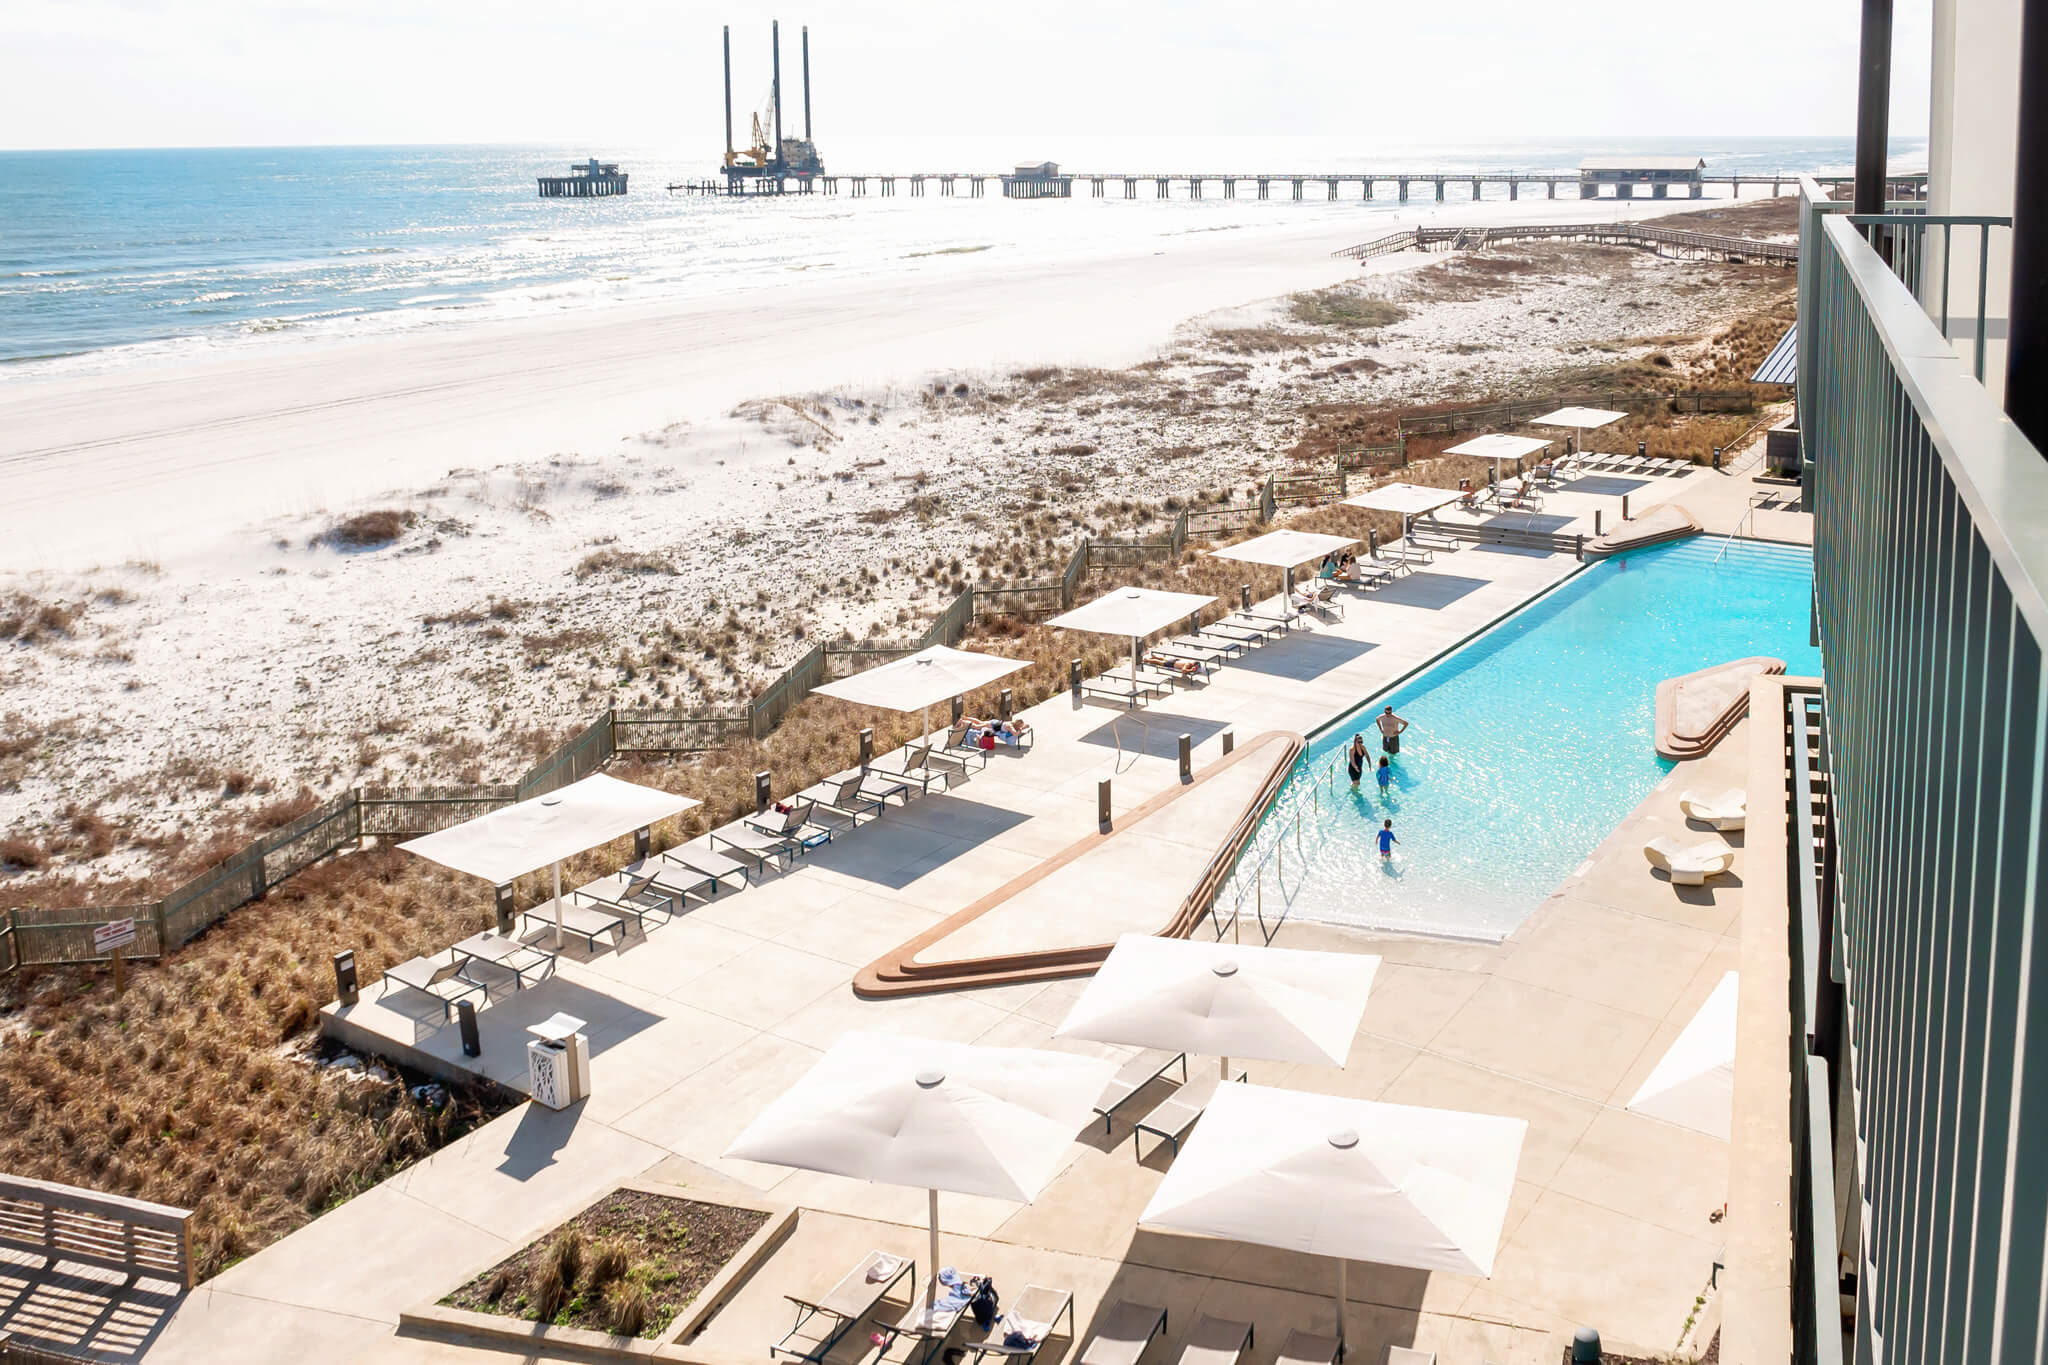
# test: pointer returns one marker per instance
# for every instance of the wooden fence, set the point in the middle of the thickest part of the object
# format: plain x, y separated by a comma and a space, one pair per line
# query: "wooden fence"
65, 1223
48, 937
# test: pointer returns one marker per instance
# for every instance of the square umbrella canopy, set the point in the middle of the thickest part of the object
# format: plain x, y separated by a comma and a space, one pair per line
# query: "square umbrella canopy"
1693, 1085
1408, 499
1132, 612
1497, 446
1283, 550
1585, 419
1353, 1179
514, 840
1225, 1000
990, 1121
919, 681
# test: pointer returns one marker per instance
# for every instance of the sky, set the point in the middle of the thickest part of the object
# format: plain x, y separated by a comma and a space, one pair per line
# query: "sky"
129, 73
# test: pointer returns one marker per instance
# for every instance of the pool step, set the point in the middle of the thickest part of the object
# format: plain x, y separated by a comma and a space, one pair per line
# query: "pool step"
1695, 711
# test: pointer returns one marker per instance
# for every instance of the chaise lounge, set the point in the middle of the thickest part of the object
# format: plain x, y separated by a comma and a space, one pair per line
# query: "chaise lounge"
1689, 864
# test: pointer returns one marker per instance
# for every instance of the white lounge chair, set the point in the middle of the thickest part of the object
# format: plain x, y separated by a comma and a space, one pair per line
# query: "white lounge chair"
1024, 1326
1308, 1348
856, 1295
1216, 1341
844, 794
1729, 810
435, 977
1689, 864
1408, 1355
1122, 1333
1171, 1118
1139, 1072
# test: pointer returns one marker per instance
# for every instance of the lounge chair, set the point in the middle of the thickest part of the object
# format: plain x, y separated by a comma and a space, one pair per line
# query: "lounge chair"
635, 896
755, 846
1170, 659
843, 794
1195, 647
1123, 688
844, 1304
1729, 810
913, 764
794, 824
877, 785
1124, 1332
1689, 864
961, 746
1322, 598
440, 980
1216, 1341
1408, 1355
587, 922
935, 1327
709, 863
1308, 1348
1171, 1118
1024, 1326
667, 875
1139, 1072
1258, 621
1167, 674
1239, 635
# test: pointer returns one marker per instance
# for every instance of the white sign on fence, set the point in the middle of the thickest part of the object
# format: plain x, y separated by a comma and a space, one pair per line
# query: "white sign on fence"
113, 934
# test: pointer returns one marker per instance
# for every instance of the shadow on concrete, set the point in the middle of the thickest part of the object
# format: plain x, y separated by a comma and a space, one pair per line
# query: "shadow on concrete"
1430, 591
539, 1135
81, 1311
899, 852
1543, 523
1273, 1289
1305, 657
1609, 485
1156, 733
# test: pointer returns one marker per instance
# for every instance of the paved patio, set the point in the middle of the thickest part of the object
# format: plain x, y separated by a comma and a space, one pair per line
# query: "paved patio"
698, 1025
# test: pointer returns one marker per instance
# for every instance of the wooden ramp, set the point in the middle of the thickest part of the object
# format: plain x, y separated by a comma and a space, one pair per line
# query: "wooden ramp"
1061, 917
1695, 710
1666, 522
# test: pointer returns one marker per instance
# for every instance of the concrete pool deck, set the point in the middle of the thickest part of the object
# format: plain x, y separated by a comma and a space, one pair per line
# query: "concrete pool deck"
700, 1023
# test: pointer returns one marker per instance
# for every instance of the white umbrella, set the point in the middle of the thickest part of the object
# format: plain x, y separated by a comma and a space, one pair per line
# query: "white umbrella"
993, 1121
917, 681
1498, 447
514, 840
1585, 419
1405, 498
1360, 1181
1693, 1085
1283, 550
1225, 1000
1132, 612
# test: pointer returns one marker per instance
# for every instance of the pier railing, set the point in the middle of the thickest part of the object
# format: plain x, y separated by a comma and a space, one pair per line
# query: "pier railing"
1663, 240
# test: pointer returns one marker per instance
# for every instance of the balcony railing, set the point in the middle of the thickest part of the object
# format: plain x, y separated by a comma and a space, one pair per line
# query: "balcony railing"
1931, 556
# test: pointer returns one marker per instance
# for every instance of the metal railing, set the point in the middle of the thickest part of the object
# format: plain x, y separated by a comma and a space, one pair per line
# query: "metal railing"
1293, 811
1748, 521
1930, 565
1919, 246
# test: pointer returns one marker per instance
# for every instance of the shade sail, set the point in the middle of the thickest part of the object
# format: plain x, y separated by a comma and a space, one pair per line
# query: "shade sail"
1586, 419
513, 840
1406, 498
1424, 1188
1132, 612
1497, 446
1225, 1000
923, 679
990, 1121
1285, 549
1693, 1085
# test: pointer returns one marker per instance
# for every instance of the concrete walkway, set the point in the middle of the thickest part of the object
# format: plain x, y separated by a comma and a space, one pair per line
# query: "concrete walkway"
698, 1025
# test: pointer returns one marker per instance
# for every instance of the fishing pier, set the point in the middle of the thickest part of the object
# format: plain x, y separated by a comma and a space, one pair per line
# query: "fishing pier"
586, 180
1364, 186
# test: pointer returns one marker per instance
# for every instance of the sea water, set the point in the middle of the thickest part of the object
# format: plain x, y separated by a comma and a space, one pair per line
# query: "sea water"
1528, 744
118, 257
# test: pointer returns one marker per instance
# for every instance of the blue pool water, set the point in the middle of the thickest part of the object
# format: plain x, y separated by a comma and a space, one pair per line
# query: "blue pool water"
1529, 744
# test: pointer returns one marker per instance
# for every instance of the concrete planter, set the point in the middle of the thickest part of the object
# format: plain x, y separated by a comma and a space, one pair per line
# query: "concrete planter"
537, 1340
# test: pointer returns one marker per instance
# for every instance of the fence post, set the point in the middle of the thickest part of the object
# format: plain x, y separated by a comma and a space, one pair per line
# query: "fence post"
258, 888
156, 917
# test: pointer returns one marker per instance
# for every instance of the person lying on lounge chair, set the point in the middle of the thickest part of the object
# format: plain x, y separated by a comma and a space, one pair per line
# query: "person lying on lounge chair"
1185, 667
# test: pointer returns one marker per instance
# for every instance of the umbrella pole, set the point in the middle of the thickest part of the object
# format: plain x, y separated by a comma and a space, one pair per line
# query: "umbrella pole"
1134, 668
931, 1281
1342, 1267
1287, 587
558, 905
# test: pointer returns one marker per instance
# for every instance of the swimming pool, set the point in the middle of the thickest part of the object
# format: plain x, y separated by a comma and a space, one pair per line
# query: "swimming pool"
1528, 745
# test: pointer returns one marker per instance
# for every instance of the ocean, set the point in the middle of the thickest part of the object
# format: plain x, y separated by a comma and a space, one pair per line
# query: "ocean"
115, 258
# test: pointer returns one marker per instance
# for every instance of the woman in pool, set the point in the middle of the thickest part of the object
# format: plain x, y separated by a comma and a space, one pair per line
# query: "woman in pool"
1355, 761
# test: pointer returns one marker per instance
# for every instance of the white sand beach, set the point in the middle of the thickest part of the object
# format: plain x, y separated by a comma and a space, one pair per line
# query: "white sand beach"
593, 492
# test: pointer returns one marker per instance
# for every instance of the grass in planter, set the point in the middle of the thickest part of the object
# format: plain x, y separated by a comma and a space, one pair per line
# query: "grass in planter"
626, 1265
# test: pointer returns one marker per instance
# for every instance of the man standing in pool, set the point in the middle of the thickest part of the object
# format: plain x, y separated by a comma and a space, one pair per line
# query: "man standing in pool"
1356, 760
1391, 727
1387, 841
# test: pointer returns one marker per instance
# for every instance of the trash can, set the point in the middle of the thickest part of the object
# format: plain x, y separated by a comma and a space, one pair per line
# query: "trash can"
558, 1062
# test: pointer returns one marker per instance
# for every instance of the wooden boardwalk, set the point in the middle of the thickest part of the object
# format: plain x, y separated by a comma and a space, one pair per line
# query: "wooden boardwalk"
1664, 241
